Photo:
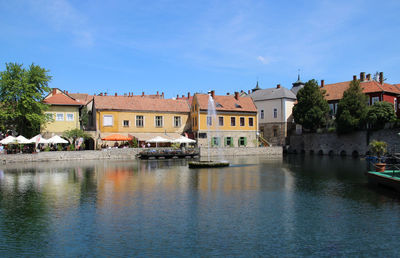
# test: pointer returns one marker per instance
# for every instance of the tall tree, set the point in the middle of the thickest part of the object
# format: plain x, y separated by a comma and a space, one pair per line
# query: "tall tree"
352, 109
21, 95
311, 110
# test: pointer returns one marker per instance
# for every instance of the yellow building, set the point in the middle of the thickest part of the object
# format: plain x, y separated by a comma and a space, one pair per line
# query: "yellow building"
140, 117
65, 113
234, 124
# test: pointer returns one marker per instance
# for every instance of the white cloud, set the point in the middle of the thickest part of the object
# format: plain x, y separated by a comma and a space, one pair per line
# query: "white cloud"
263, 60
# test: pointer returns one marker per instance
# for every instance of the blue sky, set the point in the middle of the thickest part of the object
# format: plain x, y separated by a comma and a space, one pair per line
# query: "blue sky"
180, 46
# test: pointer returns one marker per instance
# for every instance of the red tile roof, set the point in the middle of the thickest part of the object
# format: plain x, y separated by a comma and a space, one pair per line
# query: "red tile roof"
228, 103
136, 103
82, 98
335, 91
61, 99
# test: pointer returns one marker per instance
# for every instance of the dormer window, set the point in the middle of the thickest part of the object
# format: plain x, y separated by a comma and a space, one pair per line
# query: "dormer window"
218, 104
238, 106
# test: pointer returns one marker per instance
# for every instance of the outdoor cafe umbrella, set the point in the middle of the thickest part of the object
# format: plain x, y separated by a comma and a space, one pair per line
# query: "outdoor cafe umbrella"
158, 139
116, 137
183, 139
22, 140
9, 139
56, 139
38, 139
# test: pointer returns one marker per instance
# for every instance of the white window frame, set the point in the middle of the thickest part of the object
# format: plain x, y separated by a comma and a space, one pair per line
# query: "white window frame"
219, 124
136, 119
162, 122
59, 114
374, 99
180, 121
244, 121
73, 117
112, 120
129, 123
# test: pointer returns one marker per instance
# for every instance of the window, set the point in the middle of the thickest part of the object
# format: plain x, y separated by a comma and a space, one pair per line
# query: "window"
275, 113
218, 105
70, 116
221, 121
233, 121
202, 135
215, 141
275, 132
229, 141
242, 141
374, 99
262, 114
159, 121
107, 120
242, 121
125, 123
251, 121
177, 121
238, 106
60, 117
139, 121
49, 116
209, 121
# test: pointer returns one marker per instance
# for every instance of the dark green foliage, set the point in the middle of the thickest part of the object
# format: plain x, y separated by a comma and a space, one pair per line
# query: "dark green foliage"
311, 110
21, 94
380, 113
133, 143
84, 117
74, 134
352, 109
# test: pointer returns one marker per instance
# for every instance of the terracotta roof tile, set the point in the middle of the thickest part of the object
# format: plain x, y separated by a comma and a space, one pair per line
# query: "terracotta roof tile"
228, 103
82, 98
61, 99
140, 104
335, 91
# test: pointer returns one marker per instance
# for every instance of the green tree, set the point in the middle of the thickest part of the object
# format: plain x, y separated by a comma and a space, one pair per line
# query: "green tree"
311, 110
84, 117
74, 134
380, 113
352, 109
21, 94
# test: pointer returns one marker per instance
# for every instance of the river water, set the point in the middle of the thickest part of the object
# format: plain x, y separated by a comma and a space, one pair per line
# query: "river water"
295, 206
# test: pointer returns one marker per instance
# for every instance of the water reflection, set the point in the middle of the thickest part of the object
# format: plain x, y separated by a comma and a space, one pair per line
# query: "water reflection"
296, 205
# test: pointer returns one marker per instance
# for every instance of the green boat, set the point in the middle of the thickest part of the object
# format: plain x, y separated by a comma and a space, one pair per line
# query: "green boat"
208, 164
388, 178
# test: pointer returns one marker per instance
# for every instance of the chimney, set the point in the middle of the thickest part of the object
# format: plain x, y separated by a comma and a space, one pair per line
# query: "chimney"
241, 91
105, 93
381, 78
101, 93
142, 93
183, 96
354, 77
368, 77
362, 76
278, 86
177, 96
236, 95
188, 95
67, 92
162, 95
157, 93
248, 92
228, 93
54, 91
212, 93
322, 83
116, 94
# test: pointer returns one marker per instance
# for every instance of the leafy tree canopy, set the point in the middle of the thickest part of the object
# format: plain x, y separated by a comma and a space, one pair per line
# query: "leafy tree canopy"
311, 110
21, 94
380, 113
352, 109
74, 134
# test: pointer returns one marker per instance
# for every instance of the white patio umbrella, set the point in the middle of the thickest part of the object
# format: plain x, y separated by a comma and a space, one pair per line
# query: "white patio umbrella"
9, 139
158, 139
183, 139
56, 139
22, 140
38, 139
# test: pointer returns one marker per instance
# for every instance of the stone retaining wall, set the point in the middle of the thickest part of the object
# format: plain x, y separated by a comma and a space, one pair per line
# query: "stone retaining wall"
275, 151
113, 154
349, 144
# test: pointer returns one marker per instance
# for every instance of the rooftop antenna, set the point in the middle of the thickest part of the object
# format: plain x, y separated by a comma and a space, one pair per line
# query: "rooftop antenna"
298, 74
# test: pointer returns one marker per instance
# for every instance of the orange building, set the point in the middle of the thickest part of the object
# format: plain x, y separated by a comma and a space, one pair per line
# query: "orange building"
235, 123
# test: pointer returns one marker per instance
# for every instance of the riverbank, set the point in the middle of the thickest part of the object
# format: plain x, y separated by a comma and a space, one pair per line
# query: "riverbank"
127, 154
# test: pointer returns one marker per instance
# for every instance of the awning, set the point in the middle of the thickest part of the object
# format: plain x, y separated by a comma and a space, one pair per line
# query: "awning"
22, 140
116, 137
183, 139
9, 140
57, 139
147, 136
158, 139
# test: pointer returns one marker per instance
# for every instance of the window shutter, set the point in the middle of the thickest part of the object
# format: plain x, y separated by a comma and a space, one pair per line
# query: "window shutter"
225, 141
212, 141
245, 141
231, 141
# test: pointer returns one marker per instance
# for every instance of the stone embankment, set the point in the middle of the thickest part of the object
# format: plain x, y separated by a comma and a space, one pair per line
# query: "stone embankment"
126, 154
355, 144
